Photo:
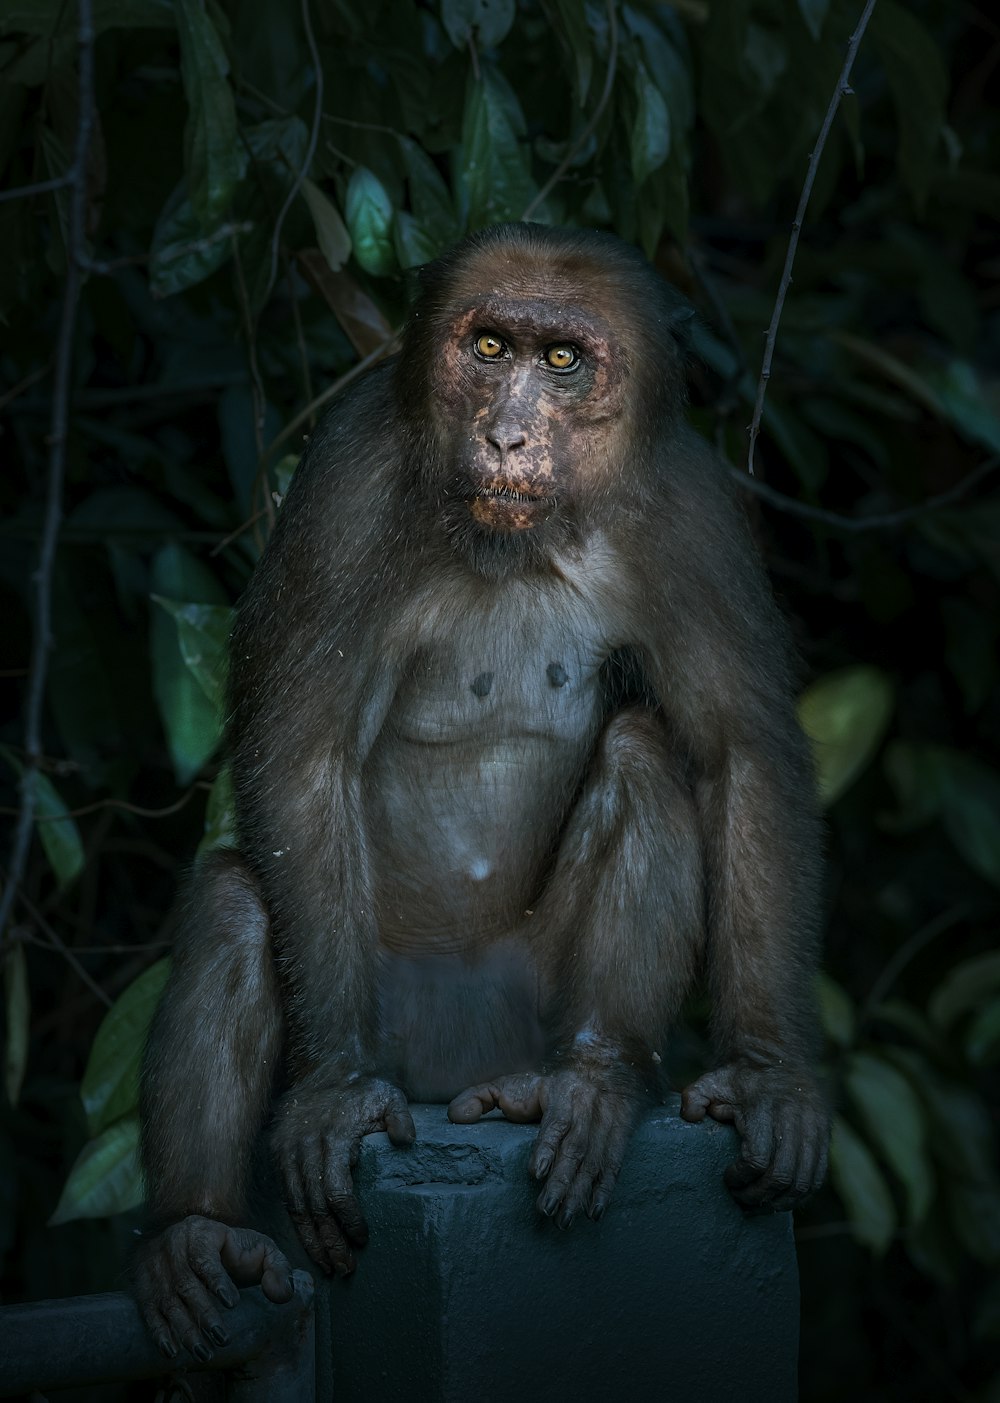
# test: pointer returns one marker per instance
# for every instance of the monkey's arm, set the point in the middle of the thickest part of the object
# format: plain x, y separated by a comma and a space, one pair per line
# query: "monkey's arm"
721, 665
311, 681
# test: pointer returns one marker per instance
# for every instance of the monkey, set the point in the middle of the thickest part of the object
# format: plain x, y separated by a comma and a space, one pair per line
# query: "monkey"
515, 761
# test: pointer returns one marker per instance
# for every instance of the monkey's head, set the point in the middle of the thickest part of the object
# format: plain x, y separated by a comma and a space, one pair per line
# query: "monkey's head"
540, 363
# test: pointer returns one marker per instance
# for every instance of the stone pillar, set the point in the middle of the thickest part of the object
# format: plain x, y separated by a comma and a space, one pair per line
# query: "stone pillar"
466, 1293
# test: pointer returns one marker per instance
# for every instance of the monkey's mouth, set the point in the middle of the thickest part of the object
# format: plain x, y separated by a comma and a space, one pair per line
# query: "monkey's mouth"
505, 508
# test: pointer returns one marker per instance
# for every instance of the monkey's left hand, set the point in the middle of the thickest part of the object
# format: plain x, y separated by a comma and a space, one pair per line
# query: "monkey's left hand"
783, 1120
316, 1138
588, 1108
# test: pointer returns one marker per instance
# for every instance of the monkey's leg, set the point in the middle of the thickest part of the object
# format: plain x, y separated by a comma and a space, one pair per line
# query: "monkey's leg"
206, 1088
618, 933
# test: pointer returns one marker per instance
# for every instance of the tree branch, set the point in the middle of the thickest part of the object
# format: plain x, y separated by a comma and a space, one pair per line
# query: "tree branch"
878, 520
41, 640
842, 88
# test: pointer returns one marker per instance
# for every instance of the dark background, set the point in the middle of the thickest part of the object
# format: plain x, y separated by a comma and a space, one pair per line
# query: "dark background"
221, 297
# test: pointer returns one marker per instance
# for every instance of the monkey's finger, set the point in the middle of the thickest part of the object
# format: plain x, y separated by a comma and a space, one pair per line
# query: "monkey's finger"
252, 1259
399, 1124
571, 1153
614, 1157
206, 1262
778, 1178
311, 1240
757, 1154
579, 1195
471, 1105
554, 1127
158, 1328
185, 1330
338, 1191
201, 1310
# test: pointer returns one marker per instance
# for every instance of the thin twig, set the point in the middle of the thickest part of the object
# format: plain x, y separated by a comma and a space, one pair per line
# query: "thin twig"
310, 150
57, 943
170, 254
878, 521
31, 379
331, 392
908, 951
41, 640
842, 89
40, 187
595, 117
100, 805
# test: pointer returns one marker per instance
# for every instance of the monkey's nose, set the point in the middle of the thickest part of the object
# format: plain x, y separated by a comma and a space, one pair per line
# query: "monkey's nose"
505, 439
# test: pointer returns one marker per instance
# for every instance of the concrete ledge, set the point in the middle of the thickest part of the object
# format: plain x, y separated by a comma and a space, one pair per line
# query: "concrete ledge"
466, 1292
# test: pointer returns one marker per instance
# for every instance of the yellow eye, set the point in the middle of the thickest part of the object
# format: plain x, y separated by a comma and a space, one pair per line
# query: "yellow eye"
489, 346
561, 357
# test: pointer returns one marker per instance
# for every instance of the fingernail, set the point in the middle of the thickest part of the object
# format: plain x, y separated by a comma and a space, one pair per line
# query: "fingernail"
565, 1219
598, 1211
227, 1296
217, 1335
201, 1351
167, 1347
542, 1165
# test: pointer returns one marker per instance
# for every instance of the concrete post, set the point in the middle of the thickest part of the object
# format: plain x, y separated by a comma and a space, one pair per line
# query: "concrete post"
466, 1292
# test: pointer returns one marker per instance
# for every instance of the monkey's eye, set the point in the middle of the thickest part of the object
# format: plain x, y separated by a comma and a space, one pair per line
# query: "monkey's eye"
489, 347
562, 357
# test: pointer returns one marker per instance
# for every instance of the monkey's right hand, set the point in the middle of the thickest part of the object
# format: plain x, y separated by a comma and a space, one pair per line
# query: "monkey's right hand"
178, 1276
316, 1139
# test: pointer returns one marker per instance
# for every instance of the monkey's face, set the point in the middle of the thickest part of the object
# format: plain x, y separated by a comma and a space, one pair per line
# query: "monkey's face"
527, 394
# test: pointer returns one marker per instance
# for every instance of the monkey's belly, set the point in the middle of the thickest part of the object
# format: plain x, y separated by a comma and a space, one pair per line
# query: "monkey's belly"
447, 1022
461, 838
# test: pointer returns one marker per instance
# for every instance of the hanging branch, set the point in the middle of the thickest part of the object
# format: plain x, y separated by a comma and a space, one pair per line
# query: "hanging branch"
842, 89
41, 640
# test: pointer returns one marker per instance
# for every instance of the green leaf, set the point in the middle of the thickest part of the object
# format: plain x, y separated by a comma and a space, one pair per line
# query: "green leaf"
961, 1128
110, 1086
181, 254
193, 723
57, 831
212, 159
284, 471
845, 715
368, 210
494, 181
814, 13
220, 815
861, 1187
975, 1216
414, 246
17, 1020
982, 1040
836, 1011
965, 987
650, 139
918, 79
895, 1121
331, 232
106, 1178
430, 198
487, 22
571, 22
203, 634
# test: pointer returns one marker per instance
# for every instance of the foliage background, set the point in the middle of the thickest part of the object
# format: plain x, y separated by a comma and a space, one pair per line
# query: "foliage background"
260, 179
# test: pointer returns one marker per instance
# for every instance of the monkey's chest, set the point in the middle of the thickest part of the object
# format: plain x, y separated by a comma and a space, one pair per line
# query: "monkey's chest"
468, 787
